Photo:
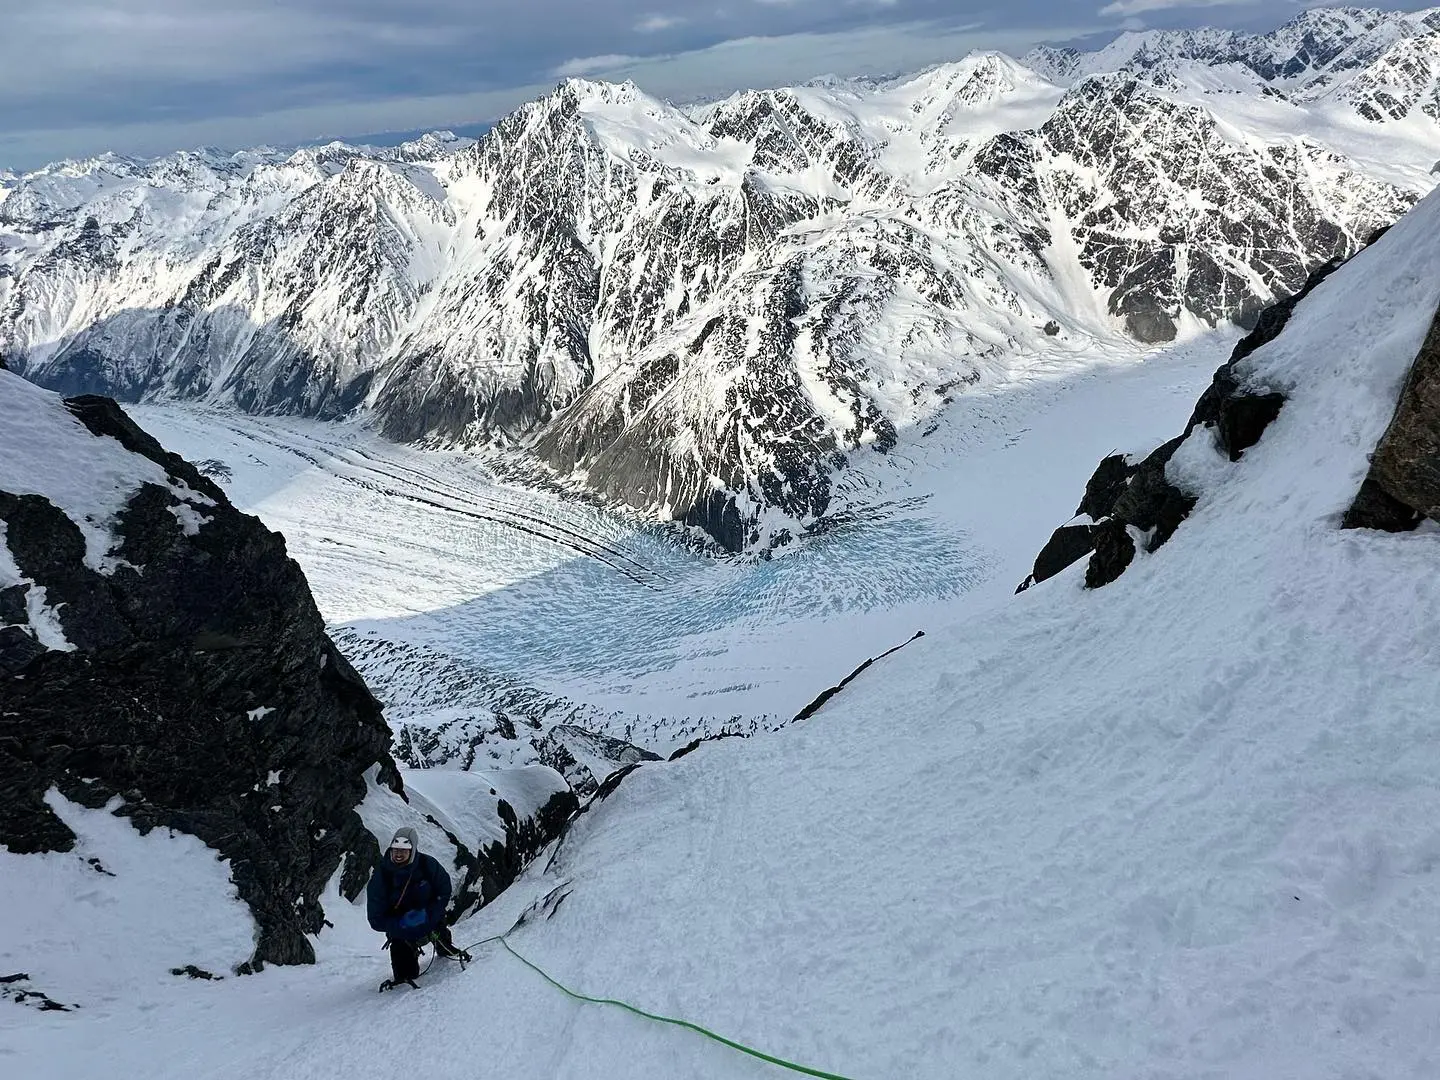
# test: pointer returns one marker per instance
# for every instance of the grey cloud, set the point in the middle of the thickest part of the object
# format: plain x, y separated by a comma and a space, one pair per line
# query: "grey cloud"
142, 76
85, 76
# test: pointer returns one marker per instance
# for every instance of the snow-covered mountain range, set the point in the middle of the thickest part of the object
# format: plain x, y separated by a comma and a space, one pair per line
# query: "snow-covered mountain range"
701, 312
1340, 53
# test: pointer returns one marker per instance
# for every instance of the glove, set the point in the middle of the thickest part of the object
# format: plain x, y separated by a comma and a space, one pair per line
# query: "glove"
413, 920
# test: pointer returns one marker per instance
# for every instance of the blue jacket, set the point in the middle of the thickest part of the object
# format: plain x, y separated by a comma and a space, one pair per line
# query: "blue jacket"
421, 885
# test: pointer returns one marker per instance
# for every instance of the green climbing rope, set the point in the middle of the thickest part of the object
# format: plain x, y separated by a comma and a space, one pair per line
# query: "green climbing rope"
707, 1033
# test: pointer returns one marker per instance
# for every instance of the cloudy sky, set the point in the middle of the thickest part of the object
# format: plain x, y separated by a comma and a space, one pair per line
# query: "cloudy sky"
147, 76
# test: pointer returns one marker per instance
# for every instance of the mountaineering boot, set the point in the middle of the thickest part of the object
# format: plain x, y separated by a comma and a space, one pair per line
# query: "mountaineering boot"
450, 952
391, 984
445, 946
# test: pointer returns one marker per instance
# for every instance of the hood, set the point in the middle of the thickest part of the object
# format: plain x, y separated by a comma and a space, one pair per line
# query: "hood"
408, 834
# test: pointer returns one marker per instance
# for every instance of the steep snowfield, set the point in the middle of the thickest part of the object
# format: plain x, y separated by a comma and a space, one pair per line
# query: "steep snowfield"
111, 942
1183, 826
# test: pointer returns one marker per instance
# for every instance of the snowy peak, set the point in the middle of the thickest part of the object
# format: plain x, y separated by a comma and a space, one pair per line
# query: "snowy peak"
1058, 65
615, 283
1319, 42
583, 94
616, 117
432, 146
62, 188
1153, 49
977, 82
798, 132
1322, 45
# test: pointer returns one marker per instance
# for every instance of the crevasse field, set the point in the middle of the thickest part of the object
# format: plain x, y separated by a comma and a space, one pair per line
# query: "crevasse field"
432, 550
1185, 826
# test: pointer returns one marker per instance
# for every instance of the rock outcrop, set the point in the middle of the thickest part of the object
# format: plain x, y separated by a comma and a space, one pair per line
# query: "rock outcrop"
1403, 486
1129, 505
586, 758
492, 869
182, 674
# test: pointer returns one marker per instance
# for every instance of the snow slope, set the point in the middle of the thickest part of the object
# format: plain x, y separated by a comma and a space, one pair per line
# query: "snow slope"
1180, 827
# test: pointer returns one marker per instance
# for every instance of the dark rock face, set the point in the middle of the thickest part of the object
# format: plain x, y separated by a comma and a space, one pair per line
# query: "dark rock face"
500, 864
1117, 496
1376, 508
1150, 502
1120, 495
202, 691
1114, 552
1404, 481
17, 647
1067, 545
1105, 486
1071, 543
1240, 416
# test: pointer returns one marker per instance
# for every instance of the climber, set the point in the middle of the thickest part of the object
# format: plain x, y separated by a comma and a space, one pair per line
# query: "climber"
406, 902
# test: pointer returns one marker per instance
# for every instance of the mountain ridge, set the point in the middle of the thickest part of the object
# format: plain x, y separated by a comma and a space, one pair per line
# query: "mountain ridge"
701, 312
